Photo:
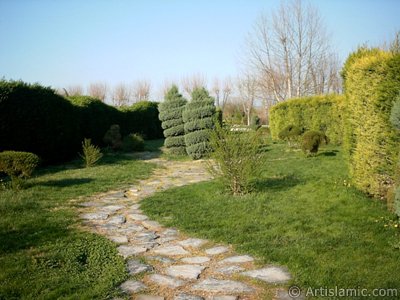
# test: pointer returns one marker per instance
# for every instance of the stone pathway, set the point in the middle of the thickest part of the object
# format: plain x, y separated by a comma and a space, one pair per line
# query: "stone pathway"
166, 264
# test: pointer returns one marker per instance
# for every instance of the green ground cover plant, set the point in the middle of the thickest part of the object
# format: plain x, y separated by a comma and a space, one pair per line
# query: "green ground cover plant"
304, 215
43, 253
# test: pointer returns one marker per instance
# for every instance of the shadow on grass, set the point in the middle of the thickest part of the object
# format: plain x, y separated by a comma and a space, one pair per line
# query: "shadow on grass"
283, 182
66, 182
328, 153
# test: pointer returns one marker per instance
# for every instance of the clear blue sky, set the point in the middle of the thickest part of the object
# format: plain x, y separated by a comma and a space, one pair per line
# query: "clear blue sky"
65, 42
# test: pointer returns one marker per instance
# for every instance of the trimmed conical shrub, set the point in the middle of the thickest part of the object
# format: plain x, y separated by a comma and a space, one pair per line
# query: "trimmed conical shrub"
199, 118
171, 117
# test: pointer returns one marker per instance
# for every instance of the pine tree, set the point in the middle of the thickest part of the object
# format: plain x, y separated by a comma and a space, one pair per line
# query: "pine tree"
171, 117
199, 118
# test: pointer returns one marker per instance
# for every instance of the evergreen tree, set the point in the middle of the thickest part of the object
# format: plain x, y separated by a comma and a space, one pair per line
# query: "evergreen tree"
171, 117
199, 118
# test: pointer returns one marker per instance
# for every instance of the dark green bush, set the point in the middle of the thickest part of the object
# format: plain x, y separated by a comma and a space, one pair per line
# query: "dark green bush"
291, 134
18, 165
142, 117
95, 117
35, 119
133, 142
113, 137
199, 117
171, 117
312, 140
319, 113
255, 122
371, 142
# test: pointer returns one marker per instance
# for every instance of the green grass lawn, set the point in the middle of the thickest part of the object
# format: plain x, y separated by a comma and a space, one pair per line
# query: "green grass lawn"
43, 255
303, 216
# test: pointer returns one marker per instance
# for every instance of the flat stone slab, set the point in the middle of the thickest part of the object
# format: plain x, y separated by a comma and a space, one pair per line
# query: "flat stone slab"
136, 267
195, 260
170, 232
168, 281
167, 239
90, 204
119, 239
230, 270
283, 294
185, 271
145, 236
237, 259
134, 206
194, 243
127, 251
138, 217
184, 296
224, 298
222, 286
95, 216
112, 208
149, 297
269, 274
133, 286
117, 220
171, 251
151, 224
130, 228
217, 250
162, 259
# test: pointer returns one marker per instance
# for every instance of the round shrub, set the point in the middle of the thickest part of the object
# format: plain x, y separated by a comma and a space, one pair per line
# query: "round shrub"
133, 142
18, 165
312, 140
199, 117
35, 119
113, 137
171, 117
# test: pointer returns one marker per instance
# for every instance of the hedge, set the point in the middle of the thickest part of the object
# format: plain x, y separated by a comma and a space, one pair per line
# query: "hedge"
320, 113
142, 118
171, 117
371, 143
95, 117
199, 117
35, 119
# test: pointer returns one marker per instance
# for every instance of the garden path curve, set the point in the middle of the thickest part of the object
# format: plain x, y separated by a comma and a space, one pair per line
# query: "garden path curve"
167, 264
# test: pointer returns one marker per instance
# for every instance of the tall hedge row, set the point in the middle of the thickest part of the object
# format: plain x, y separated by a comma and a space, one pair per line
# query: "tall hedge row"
35, 119
320, 113
372, 82
172, 123
95, 117
142, 117
199, 118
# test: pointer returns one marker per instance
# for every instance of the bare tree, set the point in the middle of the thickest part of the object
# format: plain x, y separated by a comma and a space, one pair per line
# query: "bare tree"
190, 83
121, 95
141, 90
98, 90
216, 90
222, 90
227, 90
73, 90
290, 53
247, 87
